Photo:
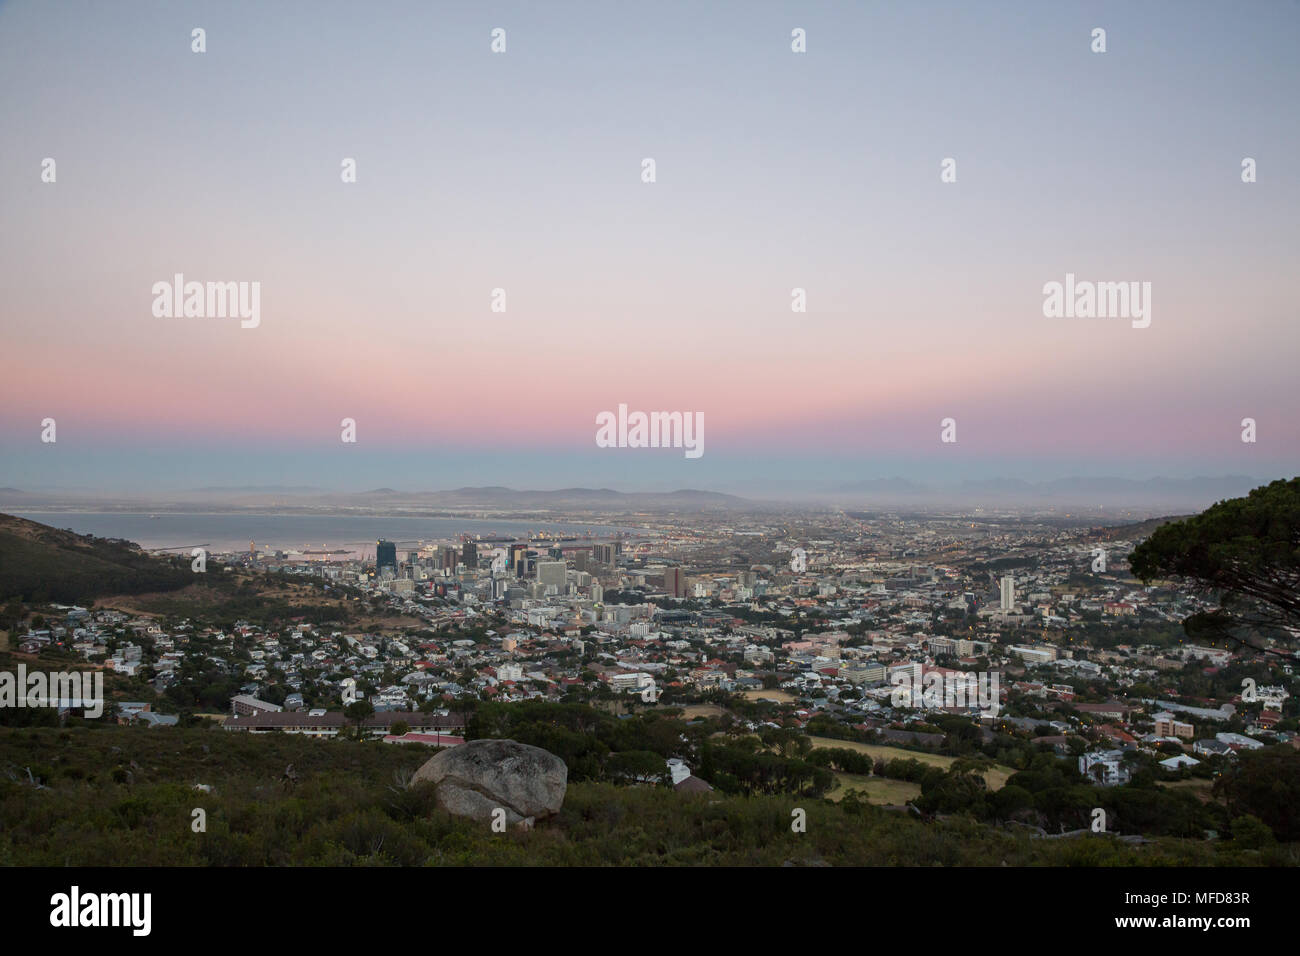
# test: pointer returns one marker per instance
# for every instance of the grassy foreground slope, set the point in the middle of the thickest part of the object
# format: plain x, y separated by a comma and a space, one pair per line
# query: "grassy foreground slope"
125, 796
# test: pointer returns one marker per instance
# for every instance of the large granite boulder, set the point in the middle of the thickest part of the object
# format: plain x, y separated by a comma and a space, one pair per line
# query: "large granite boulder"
479, 776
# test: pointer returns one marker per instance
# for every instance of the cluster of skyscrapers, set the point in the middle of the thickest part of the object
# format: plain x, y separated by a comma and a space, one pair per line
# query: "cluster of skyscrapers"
548, 565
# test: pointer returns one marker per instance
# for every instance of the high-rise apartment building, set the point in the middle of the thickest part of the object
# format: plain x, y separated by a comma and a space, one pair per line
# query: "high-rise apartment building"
675, 582
552, 572
1008, 593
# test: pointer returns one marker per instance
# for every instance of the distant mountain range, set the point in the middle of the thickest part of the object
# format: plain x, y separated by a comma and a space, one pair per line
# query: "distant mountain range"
1073, 492
1229, 486
389, 500
1154, 496
498, 498
264, 489
687, 498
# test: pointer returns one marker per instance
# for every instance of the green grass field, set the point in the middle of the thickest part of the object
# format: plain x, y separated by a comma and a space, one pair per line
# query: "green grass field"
878, 790
995, 778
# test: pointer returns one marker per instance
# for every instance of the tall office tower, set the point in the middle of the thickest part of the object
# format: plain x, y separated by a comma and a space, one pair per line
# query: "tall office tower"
413, 559
385, 555
449, 558
469, 555
675, 582
597, 592
1008, 593
604, 553
552, 572
582, 560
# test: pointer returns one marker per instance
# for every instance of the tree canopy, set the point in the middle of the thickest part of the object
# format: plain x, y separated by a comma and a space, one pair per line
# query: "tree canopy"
1245, 553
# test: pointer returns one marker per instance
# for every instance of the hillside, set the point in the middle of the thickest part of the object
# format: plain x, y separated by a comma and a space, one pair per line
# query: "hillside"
1136, 530
125, 796
39, 563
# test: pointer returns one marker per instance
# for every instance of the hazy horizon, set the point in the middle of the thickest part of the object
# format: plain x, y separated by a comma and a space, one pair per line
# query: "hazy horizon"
1078, 495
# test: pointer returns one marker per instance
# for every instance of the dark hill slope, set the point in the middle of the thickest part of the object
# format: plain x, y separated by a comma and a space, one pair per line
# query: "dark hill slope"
40, 563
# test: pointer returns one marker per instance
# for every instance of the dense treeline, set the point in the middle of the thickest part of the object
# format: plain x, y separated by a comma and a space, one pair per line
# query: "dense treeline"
744, 766
599, 746
1265, 784
124, 796
1046, 792
584, 737
1261, 791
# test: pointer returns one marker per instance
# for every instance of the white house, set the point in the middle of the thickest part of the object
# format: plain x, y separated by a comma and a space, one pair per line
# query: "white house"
1104, 767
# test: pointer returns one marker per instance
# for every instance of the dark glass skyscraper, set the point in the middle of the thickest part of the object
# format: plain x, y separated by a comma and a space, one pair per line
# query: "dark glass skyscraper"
385, 555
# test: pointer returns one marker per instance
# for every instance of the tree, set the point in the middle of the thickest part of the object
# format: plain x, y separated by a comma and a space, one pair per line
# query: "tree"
358, 711
637, 766
1265, 784
1244, 552
1251, 833
13, 613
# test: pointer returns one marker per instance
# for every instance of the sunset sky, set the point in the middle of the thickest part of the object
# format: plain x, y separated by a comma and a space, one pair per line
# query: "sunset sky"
522, 170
